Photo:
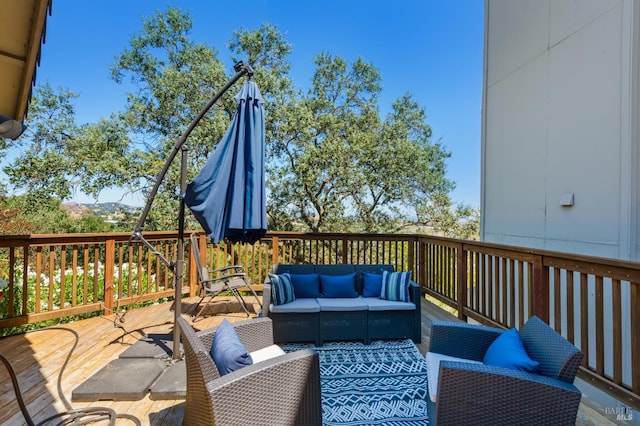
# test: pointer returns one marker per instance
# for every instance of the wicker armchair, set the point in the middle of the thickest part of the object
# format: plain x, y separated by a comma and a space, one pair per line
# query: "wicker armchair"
479, 394
280, 391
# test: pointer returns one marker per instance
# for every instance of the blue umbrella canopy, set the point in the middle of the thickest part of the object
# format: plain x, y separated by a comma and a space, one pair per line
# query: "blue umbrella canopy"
227, 197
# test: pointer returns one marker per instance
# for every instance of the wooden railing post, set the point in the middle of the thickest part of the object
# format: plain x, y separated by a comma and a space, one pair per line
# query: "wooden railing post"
274, 250
109, 271
540, 290
422, 268
25, 278
345, 248
193, 274
411, 259
462, 281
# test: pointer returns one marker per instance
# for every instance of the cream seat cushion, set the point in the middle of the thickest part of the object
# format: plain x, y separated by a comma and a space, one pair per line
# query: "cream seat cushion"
433, 370
266, 353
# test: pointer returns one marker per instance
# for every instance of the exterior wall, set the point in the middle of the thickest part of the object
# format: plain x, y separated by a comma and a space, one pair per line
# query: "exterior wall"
560, 116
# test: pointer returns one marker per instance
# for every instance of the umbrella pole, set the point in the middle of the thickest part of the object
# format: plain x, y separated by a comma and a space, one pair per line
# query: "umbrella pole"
179, 275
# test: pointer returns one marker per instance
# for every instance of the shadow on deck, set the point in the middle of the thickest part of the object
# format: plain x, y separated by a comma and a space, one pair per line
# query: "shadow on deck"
91, 344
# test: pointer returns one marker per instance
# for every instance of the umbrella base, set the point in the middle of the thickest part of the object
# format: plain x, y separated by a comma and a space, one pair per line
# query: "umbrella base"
120, 380
143, 369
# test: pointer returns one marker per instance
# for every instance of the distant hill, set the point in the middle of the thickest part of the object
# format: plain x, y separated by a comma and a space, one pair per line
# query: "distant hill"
101, 209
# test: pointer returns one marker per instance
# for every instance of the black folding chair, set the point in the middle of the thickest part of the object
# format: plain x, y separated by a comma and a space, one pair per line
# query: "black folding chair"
213, 281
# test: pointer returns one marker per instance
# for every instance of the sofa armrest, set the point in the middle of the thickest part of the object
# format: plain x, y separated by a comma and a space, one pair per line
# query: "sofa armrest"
266, 297
477, 394
462, 340
415, 294
293, 395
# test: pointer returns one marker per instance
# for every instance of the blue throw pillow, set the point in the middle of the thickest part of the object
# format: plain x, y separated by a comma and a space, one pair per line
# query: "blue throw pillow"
282, 289
338, 285
371, 284
306, 285
508, 351
395, 286
227, 351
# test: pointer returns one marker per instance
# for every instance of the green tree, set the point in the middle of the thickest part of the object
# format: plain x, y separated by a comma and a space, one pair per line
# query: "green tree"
43, 168
173, 79
337, 165
334, 162
440, 215
12, 222
35, 215
58, 157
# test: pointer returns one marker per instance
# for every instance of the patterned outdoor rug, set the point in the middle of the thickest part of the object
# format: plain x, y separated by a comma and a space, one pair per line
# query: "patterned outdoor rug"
384, 383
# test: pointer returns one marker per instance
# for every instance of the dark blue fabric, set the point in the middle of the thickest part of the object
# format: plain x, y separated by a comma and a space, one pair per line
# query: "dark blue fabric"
508, 351
371, 284
227, 351
338, 285
227, 197
305, 285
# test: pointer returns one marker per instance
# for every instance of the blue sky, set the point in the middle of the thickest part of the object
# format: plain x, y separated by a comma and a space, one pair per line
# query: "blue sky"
433, 49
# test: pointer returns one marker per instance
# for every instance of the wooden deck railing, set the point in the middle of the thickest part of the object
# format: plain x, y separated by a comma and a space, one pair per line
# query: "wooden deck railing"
593, 302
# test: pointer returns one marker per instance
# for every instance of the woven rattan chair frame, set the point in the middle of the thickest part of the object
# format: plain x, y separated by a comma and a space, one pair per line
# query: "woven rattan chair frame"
478, 394
281, 391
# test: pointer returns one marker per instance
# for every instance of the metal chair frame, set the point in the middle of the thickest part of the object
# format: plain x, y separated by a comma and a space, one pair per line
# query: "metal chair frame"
213, 281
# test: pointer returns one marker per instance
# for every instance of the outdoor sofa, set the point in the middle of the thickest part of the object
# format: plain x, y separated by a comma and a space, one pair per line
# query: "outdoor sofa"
480, 380
349, 310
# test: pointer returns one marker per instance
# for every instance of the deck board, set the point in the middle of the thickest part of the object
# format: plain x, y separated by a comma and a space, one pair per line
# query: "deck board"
38, 357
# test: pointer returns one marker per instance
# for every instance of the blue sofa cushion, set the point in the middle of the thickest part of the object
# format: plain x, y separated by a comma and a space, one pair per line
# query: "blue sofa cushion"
306, 285
338, 285
371, 284
508, 351
298, 306
227, 351
395, 286
346, 304
377, 304
282, 289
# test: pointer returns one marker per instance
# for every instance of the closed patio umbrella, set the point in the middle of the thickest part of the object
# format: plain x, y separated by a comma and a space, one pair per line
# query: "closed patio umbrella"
227, 197
241, 158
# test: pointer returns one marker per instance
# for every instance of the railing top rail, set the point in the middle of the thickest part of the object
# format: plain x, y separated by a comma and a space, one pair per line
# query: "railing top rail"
469, 245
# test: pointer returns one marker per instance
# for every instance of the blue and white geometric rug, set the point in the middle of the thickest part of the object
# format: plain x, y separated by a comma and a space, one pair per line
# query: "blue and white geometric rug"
384, 383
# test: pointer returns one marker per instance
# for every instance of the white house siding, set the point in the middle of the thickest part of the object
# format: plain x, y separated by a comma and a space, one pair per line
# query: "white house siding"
560, 116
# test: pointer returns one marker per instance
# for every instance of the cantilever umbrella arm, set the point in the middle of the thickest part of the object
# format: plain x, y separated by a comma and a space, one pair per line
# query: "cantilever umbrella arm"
177, 266
241, 69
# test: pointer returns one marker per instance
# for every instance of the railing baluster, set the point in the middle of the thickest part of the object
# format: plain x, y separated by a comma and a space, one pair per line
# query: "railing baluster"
570, 307
584, 318
11, 288
557, 305
109, 263
616, 300
599, 325
38, 280
63, 267
74, 278
51, 284
635, 336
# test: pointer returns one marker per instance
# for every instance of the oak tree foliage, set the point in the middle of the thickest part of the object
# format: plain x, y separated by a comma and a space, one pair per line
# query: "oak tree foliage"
337, 160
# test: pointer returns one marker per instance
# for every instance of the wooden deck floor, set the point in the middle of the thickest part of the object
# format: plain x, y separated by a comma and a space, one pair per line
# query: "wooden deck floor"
39, 356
